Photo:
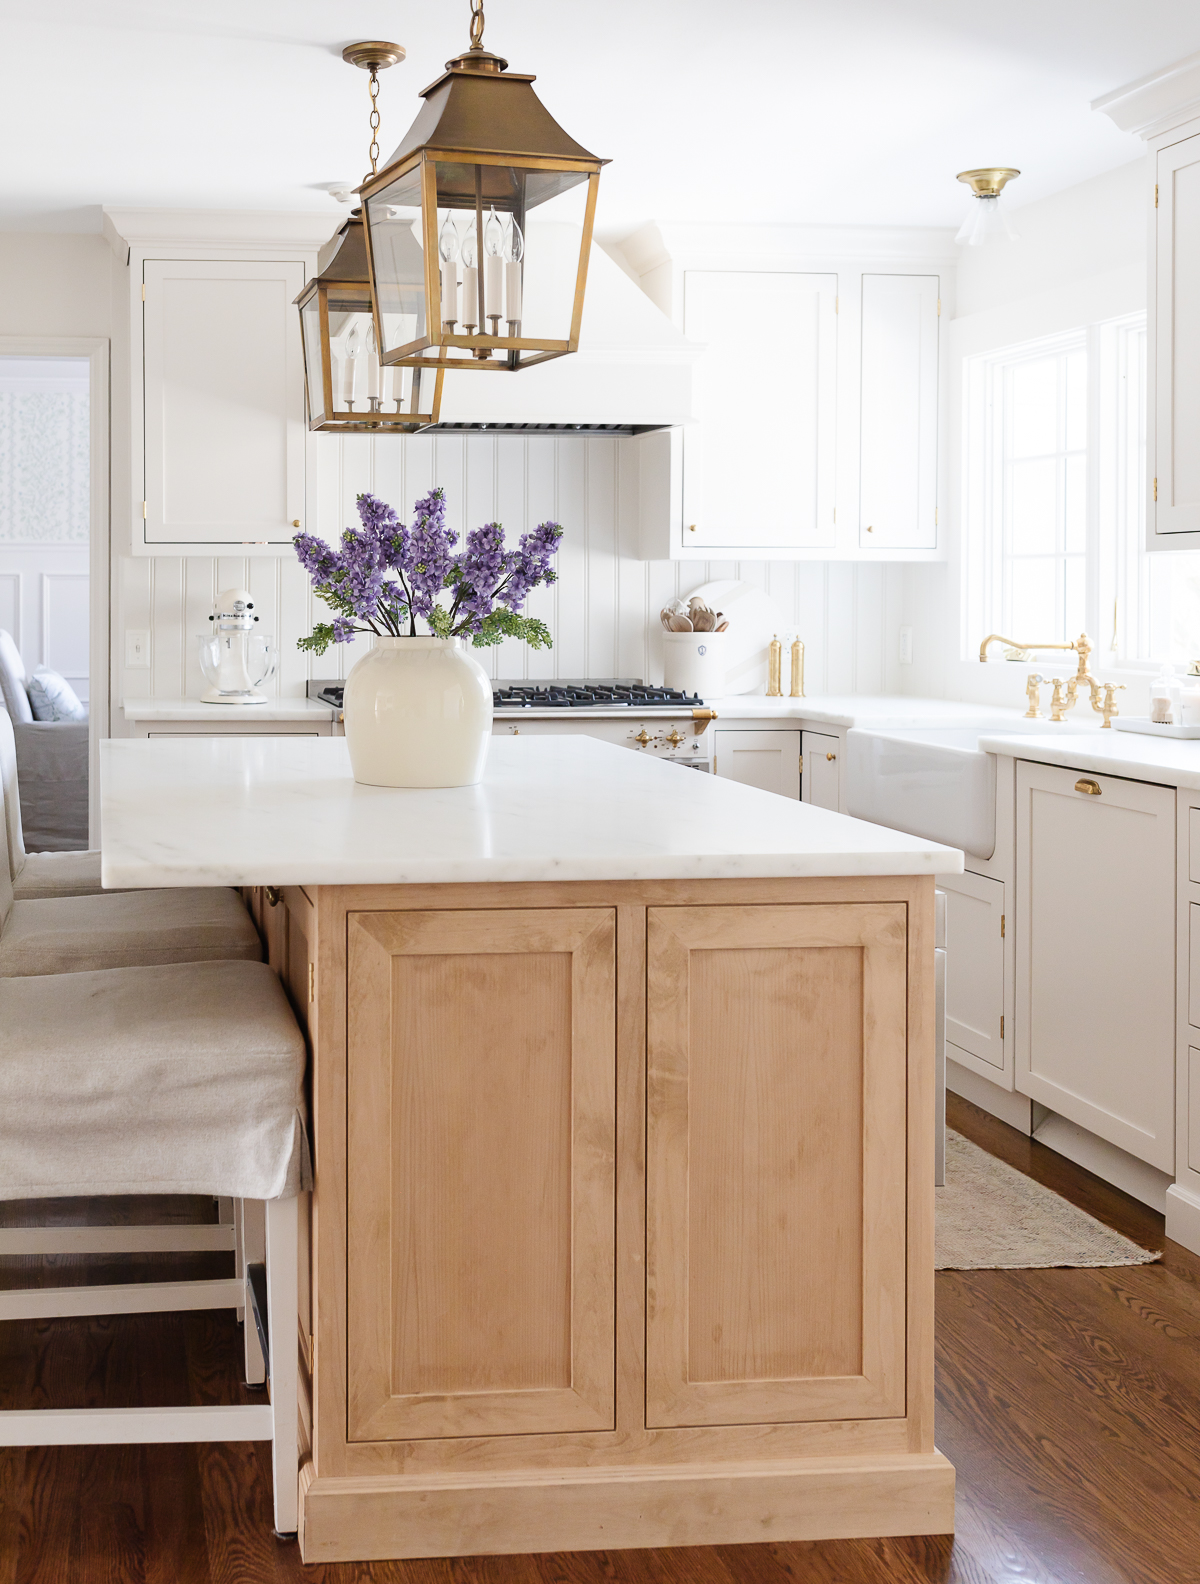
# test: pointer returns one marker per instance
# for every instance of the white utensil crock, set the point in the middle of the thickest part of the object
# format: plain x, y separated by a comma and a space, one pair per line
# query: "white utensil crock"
695, 662
418, 713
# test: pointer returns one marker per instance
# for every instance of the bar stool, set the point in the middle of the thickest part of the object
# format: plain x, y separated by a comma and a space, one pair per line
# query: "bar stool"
179, 1079
42, 874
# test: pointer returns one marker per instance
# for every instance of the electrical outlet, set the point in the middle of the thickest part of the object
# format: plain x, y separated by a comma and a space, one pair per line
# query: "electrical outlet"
906, 646
137, 649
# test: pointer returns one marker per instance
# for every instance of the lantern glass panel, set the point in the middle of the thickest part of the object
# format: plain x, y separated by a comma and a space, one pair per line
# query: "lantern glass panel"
515, 271
394, 217
314, 379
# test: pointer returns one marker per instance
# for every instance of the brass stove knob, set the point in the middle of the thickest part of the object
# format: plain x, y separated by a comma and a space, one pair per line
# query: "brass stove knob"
643, 737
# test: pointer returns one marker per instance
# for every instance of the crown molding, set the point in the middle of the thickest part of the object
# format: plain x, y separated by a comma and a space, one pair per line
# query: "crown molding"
1157, 103
217, 228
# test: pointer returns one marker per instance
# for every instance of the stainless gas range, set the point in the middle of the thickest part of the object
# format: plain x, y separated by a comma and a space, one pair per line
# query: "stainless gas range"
660, 721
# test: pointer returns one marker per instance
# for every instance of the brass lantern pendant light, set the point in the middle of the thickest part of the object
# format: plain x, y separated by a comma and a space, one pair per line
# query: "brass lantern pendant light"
348, 389
458, 282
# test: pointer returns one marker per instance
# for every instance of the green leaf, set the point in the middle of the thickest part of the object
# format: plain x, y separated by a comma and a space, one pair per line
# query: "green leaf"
320, 639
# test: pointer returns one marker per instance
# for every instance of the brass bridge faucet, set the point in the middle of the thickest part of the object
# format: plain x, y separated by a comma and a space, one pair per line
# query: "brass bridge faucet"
1066, 691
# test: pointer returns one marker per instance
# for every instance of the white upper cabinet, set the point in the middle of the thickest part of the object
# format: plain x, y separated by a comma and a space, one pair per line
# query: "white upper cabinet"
1173, 511
898, 412
815, 438
223, 405
759, 457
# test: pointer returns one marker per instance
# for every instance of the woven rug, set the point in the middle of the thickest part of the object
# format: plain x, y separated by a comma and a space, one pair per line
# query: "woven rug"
990, 1217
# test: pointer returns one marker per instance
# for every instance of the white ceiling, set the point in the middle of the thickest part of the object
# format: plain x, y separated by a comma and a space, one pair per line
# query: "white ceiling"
821, 111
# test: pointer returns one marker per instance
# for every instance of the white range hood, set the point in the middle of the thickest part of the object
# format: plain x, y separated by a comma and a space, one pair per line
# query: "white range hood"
633, 370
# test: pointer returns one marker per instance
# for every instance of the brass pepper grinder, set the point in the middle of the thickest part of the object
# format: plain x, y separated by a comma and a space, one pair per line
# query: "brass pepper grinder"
775, 668
797, 669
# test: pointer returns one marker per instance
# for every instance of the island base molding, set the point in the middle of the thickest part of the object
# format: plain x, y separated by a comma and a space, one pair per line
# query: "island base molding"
378, 1519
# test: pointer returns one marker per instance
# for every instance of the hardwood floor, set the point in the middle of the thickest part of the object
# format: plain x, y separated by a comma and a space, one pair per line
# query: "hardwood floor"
1069, 1402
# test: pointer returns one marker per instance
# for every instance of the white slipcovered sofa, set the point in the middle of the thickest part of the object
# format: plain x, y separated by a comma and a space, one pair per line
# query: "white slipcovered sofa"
52, 764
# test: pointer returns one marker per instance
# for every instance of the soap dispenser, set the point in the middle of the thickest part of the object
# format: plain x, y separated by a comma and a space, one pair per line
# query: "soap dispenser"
1165, 693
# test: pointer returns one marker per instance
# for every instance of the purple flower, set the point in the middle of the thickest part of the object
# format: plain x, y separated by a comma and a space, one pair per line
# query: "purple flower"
530, 563
430, 557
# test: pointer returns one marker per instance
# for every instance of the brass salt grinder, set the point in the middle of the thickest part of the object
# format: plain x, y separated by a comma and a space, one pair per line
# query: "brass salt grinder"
775, 668
797, 669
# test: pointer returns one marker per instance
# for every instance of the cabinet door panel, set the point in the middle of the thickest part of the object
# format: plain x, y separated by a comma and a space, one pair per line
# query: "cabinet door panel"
481, 1090
1095, 926
758, 461
776, 1183
974, 966
766, 759
1176, 429
224, 402
822, 781
899, 398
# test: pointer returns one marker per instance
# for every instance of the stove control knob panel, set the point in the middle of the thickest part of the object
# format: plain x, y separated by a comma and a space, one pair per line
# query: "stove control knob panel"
674, 737
642, 737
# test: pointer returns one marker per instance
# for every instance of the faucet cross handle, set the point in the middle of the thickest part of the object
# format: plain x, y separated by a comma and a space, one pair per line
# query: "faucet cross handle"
1109, 708
1058, 704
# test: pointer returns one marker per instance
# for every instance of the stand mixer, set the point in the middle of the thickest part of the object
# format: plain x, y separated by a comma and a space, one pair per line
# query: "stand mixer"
233, 656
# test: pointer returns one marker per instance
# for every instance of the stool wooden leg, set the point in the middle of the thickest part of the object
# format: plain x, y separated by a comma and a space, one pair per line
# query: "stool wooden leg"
239, 1253
253, 1252
282, 1302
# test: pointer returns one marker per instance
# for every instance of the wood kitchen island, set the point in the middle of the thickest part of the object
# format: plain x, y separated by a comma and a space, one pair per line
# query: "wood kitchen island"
622, 1091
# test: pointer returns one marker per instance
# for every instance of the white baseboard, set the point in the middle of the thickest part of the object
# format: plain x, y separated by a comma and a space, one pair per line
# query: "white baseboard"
1015, 1109
1183, 1218
1114, 1165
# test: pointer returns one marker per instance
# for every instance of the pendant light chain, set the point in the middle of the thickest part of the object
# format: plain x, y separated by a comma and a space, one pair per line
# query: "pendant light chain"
373, 90
476, 24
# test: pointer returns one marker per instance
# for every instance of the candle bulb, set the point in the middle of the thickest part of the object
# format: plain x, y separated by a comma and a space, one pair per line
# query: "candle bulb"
493, 280
350, 365
374, 383
470, 283
513, 253
449, 250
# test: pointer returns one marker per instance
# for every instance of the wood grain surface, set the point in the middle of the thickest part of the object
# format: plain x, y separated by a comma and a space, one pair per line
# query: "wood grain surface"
1069, 1402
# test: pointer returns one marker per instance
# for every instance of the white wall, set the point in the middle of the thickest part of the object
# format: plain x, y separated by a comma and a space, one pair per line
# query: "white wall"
602, 612
1080, 258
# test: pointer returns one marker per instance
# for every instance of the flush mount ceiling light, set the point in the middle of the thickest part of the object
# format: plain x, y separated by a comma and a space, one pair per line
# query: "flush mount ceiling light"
988, 220
457, 283
347, 388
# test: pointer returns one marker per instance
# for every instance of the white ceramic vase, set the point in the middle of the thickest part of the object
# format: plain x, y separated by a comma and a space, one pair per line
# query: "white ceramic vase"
418, 713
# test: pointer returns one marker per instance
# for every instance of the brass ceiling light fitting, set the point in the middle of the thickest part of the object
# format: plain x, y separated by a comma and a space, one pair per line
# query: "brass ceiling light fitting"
456, 282
989, 221
348, 389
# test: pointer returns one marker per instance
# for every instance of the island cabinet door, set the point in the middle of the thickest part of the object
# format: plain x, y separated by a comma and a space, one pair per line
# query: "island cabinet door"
481, 1172
776, 1148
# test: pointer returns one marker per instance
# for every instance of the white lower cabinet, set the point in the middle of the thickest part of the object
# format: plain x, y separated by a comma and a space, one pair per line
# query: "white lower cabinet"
975, 972
1095, 974
822, 770
766, 759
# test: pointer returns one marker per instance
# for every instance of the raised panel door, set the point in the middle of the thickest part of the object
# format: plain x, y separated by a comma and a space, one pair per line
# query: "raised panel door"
776, 1183
1175, 431
1095, 978
758, 460
481, 1127
898, 412
822, 781
223, 403
974, 969
766, 759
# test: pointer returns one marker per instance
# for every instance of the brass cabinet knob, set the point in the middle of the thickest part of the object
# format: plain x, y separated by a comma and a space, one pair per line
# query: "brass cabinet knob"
831, 756
1086, 784
295, 522
273, 895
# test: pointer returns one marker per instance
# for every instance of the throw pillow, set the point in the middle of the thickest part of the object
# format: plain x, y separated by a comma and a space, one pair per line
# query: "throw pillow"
52, 697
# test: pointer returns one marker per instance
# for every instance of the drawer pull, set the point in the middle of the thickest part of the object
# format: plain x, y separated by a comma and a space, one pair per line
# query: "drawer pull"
273, 891
1092, 788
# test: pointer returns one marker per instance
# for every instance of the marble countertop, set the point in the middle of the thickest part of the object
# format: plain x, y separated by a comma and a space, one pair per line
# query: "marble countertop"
1135, 755
861, 709
190, 709
286, 811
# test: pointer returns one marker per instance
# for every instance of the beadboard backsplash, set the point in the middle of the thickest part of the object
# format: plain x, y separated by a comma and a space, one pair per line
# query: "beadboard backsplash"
602, 612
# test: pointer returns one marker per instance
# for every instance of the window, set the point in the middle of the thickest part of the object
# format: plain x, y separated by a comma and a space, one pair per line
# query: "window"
1027, 490
1055, 437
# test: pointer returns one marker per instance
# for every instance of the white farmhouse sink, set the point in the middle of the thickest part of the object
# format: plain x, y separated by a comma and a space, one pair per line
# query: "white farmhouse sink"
934, 781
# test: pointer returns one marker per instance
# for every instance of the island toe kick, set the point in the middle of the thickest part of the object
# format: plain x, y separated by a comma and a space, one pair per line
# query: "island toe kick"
622, 1232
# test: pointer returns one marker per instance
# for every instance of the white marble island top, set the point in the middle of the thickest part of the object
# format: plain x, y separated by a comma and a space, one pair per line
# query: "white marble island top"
286, 811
